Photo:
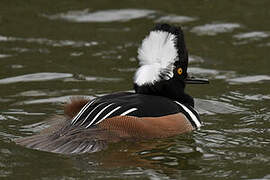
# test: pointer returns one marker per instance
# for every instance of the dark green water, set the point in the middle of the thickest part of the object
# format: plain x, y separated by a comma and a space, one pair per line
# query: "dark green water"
50, 51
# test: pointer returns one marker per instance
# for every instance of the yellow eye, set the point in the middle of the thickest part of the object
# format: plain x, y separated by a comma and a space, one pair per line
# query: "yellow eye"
179, 71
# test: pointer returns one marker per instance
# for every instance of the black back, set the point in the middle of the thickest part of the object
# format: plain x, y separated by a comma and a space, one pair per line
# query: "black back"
131, 104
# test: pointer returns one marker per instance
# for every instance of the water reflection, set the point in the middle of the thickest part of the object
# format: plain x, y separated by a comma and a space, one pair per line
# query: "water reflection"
211, 107
215, 28
48, 42
16, 66
165, 157
5, 55
176, 19
256, 35
44, 76
24, 113
249, 79
203, 71
32, 93
81, 77
102, 16
62, 99
195, 59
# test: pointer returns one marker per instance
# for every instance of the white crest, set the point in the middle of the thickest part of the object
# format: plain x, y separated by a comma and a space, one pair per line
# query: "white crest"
157, 55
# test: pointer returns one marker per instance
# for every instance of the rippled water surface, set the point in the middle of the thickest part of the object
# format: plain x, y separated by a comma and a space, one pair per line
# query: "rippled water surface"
52, 51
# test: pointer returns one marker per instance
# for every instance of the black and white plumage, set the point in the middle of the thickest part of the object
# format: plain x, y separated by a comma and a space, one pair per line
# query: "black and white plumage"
157, 55
159, 107
131, 104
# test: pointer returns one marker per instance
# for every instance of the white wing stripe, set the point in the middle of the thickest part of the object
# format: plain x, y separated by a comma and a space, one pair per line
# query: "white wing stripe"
128, 111
108, 114
194, 118
91, 113
98, 115
81, 111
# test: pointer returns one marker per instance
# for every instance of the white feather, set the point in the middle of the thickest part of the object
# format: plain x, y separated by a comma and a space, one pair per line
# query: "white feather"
156, 54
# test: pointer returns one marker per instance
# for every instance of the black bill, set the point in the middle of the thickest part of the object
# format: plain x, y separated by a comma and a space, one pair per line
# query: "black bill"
194, 80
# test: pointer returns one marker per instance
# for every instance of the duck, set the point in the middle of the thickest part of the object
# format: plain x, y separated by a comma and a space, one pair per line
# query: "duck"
158, 107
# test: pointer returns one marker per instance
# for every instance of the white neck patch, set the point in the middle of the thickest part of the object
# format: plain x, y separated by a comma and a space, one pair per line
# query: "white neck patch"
157, 55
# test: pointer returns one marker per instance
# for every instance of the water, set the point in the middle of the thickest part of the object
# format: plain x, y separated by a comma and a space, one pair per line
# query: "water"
51, 51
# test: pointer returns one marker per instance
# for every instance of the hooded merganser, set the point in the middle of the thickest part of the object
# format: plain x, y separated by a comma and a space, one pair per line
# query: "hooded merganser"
158, 108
